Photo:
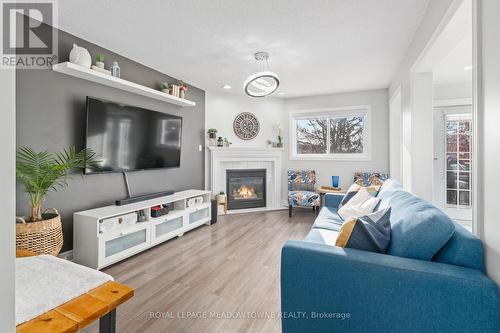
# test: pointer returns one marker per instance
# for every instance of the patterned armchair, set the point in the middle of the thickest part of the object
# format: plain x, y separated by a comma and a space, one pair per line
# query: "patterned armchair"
301, 190
370, 178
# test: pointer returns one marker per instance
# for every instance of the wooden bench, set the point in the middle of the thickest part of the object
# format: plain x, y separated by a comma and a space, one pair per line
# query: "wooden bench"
98, 303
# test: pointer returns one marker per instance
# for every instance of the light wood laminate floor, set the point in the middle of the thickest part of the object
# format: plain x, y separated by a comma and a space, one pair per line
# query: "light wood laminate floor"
228, 269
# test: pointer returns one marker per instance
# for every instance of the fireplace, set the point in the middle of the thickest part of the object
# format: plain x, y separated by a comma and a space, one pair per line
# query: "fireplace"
246, 188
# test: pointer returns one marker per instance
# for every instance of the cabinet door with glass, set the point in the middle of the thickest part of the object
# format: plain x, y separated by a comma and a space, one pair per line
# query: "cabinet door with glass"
458, 166
166, 227
198, 215
122, 243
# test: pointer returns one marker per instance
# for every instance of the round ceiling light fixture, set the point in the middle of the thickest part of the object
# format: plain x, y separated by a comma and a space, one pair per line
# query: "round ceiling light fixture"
263, 82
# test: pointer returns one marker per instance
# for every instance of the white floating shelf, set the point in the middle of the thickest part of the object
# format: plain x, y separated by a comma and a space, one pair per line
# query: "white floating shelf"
88, 74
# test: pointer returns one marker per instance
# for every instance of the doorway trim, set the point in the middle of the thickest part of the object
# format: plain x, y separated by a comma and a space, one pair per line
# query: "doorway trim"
477, 123
396, 134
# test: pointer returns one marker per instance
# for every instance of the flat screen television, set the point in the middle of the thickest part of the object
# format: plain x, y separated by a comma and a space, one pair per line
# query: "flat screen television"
128, 138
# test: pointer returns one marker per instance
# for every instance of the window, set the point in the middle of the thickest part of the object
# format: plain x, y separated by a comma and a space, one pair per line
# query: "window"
340, 133
458, 160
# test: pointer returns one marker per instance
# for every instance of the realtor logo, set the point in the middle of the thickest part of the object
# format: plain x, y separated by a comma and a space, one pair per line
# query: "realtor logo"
28, 37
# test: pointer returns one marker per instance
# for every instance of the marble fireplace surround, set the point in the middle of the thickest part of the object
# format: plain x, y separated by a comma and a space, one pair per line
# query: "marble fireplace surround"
224, 158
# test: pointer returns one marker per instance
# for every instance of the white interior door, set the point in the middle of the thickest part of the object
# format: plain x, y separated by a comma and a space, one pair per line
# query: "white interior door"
453, 161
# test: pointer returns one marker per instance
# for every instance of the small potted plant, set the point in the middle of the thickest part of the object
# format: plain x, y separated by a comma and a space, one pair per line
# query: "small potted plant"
164, 87
221, 197
99, 61
182, 89
41, 172
212, 136
212, 133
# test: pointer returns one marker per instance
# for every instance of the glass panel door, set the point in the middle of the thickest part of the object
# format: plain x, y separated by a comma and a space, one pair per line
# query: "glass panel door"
458, 161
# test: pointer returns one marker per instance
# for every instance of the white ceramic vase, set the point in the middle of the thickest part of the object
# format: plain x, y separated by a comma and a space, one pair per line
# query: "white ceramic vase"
80, 56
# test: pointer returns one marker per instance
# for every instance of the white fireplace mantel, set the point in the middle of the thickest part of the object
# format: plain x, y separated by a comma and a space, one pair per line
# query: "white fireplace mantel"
223, 158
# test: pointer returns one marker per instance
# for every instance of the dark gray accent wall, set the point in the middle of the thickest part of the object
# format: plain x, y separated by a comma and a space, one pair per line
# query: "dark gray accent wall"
51, 116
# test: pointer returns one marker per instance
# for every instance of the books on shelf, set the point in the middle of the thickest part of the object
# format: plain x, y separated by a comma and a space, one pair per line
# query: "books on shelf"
174, 90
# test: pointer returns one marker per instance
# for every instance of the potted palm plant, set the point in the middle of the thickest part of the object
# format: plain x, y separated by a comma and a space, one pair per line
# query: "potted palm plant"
40, 173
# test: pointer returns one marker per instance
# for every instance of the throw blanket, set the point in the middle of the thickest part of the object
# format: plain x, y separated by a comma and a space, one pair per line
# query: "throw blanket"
44, 282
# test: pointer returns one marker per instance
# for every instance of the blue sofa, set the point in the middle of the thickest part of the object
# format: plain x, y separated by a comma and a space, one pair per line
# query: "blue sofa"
325, 288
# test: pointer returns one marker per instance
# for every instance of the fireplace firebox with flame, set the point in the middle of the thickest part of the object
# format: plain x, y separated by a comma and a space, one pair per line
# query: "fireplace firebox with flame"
246, 188
244, 192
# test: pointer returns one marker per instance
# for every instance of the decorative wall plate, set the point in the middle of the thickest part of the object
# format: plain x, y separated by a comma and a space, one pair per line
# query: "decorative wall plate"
246, 126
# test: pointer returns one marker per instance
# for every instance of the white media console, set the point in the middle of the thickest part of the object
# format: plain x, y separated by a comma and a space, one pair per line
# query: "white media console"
106, 235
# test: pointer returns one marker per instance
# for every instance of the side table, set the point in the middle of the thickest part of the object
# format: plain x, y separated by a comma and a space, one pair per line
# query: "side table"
327, 189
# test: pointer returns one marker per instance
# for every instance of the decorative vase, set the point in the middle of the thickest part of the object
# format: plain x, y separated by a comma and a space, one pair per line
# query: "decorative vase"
115, 69
41, 237
80, 56
220, 142
182, 93
212, 135
99, 64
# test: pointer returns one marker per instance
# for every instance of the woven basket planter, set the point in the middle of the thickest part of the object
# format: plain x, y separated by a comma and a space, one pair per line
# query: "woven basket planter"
221, 198
43, 237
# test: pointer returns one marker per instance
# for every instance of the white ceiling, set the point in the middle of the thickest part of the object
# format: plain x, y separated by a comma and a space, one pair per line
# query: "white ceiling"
316, 47
451, 69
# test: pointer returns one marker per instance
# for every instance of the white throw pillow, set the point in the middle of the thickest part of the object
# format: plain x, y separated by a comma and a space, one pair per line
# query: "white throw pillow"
361, 204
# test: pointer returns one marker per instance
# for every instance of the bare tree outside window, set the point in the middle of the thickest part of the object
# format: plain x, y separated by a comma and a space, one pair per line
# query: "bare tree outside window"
312, 136
335, 135
346, 135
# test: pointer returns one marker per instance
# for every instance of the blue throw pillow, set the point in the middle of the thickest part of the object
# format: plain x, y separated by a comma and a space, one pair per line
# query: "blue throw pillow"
419, 229
371, 232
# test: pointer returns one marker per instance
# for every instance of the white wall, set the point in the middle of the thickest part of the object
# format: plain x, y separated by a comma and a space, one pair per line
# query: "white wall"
489, 97
221, 108
395, 137
422, 136
378, 100
7, 200
454, 90
407, 140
